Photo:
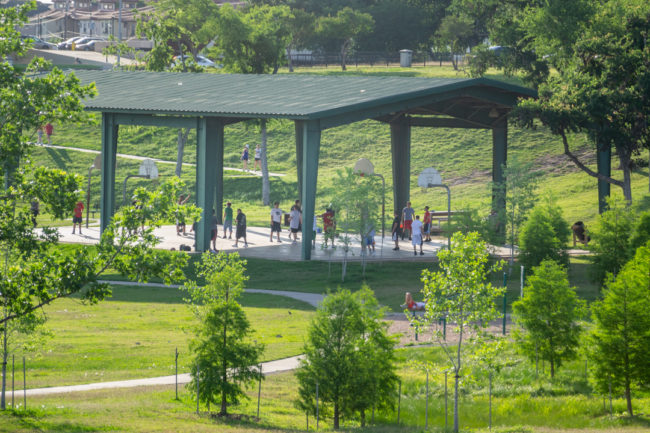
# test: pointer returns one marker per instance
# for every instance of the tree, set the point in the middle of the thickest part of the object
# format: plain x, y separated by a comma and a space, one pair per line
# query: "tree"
344, 28
349, 356
455, 32
548, 315
543, 236
357, 204
178, 27
610, 244
517, 191
254, 42
460, 291
301, 26
225, 358
620, 342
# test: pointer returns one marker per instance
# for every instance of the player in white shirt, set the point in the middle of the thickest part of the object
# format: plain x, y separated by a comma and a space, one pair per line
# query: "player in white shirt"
416, 235
276, 220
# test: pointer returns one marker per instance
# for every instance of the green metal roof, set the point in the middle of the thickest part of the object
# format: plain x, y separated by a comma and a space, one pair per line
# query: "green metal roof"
293, 96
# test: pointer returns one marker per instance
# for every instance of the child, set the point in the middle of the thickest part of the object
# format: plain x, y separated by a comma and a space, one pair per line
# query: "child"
244, 157
78, 216
411, 305
370, 241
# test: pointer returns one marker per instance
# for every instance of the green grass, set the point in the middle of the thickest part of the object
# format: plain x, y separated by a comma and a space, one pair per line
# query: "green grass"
134, 335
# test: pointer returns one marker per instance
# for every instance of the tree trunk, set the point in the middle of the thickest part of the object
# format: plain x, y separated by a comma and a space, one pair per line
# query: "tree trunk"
266, 183
289, 59
336, 415
457, 374
344, 51
224, 367
552, 367
649, 169
628, 397
454, 63
5, 356
363, 418
182, 139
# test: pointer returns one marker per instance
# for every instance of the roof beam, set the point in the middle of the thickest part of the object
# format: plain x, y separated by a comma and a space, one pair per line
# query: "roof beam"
153, 120
444, 122
504, 99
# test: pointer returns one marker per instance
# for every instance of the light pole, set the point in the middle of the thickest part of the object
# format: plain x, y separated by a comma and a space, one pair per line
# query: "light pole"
119, 31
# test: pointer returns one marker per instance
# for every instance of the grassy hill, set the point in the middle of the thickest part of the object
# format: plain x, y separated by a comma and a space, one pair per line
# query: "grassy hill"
464, 157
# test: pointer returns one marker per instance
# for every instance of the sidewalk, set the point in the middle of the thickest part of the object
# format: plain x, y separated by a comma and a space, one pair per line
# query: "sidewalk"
270, 367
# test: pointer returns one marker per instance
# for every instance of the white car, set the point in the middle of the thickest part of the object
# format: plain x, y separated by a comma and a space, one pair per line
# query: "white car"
200, 60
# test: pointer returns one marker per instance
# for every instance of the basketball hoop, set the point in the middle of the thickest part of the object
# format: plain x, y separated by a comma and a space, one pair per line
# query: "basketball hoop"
363, 167
148, 168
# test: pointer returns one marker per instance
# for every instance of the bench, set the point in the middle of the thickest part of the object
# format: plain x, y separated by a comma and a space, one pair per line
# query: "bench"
438, 217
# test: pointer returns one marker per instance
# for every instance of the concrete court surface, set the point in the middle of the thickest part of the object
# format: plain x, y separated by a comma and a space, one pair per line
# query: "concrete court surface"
259, 245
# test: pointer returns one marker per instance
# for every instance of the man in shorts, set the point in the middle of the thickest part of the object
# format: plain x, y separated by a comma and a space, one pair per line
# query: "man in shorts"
77, 218
276, 220
227, 220
416, 235
396, 230
426, 224
407, 219
241, 228
295, 221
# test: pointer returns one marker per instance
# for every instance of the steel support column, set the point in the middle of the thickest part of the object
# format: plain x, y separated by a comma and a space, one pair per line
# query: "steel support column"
207, 131
499, 159
215, 136
299, 127
604, 162
400, 140
110, 130
310, 150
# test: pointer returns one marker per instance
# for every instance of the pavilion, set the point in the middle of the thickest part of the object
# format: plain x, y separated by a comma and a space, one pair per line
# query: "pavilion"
210, 102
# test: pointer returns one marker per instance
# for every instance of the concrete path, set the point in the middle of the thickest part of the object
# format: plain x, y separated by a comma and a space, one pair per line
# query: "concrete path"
270, 367
159, 161
313, 299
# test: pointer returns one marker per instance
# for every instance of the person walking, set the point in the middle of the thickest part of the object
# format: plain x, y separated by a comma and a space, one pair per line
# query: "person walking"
244, 157
276, 221
49, 130
407, 219
35, 210
227, 220
39, 132
416, 235
329, 225
258, 158
396, 230
77, 217
241, 228
180, 219
426, 224
295, 221
214, 231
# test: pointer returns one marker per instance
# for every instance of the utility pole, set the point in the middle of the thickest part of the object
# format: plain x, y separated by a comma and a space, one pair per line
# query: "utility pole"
119, 31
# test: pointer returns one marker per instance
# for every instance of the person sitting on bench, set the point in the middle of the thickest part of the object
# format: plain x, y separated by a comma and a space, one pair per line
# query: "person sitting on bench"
411, 305
580, 233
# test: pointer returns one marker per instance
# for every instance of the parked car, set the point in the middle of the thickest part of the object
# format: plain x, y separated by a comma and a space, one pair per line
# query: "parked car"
66, 45
39, 43
88, 46
200, 60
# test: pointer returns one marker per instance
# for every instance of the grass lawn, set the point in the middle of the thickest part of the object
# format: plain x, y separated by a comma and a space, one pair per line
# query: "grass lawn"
134, 335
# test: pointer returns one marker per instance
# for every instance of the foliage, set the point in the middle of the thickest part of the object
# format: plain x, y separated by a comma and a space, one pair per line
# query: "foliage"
225, 358
517, 191
620, 341
357, 204
543, 236
117, 48
349, 357
611, 239
344, 28
460, 291
641, 232
548, 315
456, 32
468, 219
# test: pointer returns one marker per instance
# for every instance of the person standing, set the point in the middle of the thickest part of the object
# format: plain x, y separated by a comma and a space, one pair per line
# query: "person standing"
227, 220
396, 230
244, 157
407, 219
241, 228
214, 231
276, 220
258, 157
295, 221
35, 210
39, 132
77, 217
426, 224
416, 235
49, 130
180, 219
329, 227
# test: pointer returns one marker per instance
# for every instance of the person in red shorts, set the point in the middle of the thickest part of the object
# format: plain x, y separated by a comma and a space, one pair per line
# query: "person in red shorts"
329, 227
49, 130
407, 219
78, 216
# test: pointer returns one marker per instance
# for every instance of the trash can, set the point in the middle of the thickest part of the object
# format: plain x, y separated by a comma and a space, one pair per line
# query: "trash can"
405, 58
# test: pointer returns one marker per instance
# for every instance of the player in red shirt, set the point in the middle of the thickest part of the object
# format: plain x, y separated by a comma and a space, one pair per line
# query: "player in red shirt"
78, 216
329, 225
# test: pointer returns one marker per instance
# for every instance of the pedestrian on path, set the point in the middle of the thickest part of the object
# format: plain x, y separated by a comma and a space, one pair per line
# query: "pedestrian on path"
276, 221
227, 220
258, 157
49, 130
329, 225
77, 217
396, 230
241, 228
35, 210
180, 219
39, 132
214, 232
244, 157
416, 235
407, 219
295, 221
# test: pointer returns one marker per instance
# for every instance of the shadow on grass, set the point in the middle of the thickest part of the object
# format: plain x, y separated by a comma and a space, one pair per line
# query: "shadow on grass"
31, 420
60, 157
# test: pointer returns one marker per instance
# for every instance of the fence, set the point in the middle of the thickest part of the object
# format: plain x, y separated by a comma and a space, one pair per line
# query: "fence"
372, 58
